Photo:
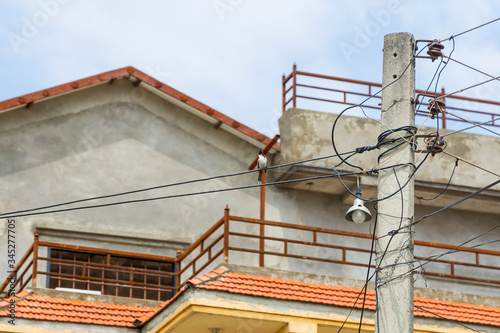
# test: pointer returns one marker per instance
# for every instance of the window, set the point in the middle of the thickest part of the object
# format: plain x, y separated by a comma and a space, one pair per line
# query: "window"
111, 274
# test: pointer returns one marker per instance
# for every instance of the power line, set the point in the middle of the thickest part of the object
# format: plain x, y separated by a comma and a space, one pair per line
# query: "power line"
468, 128
445, 188
166, 186
470, 163
458, 248
470, 67
472, 29
472, 122
451, 205
368, 271
13, 215
360, 105
439, 316
470, 87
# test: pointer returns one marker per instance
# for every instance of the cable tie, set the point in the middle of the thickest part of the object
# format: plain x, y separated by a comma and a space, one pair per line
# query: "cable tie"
392, 232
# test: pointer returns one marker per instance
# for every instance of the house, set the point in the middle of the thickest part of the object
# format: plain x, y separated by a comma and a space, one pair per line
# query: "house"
170, 245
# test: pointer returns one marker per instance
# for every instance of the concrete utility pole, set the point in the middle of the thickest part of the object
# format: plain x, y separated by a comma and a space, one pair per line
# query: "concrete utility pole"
395, 252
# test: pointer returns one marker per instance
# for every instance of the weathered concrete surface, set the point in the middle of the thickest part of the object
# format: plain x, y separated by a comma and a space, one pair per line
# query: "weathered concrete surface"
114, 138
395, 253
306, 134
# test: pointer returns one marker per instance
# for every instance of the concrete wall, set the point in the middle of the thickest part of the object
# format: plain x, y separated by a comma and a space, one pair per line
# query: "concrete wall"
113, 138
307, 134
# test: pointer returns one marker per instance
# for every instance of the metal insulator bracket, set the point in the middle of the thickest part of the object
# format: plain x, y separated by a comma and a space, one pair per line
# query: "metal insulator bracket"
433, 144
436, 105
435, 49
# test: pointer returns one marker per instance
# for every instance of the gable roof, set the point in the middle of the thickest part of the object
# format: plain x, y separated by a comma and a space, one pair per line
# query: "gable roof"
219, 119
30, 306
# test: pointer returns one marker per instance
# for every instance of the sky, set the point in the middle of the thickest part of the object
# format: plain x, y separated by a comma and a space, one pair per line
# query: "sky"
231, 54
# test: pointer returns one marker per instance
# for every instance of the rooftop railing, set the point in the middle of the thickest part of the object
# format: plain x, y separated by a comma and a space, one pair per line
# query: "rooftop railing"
235, 239
324, 90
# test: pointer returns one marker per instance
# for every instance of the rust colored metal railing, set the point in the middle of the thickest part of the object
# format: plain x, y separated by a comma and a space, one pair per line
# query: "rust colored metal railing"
458, 108
226, 240
117, 280
237, 236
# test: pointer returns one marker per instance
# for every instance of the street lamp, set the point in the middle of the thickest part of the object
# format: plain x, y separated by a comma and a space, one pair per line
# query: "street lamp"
358, 213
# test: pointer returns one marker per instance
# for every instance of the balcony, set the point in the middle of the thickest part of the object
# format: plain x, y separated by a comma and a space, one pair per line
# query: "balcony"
245, 241
321, 92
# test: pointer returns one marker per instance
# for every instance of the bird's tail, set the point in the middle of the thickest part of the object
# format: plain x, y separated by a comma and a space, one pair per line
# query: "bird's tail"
259, 180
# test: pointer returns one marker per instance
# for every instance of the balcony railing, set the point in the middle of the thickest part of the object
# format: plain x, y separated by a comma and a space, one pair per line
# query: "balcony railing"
304, 86
236, 237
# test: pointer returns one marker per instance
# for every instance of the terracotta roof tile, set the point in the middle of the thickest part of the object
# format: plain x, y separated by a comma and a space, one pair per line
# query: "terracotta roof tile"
341, 296
75, 311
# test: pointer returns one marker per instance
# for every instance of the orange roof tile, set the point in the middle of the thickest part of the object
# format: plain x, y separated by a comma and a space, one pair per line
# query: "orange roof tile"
29, 99
30, 306
340, 296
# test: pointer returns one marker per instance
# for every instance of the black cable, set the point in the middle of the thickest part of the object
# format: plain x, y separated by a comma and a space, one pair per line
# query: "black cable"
166, 186
470, 67
445, 188
455, 203
381, 138
456, 249
376, 171
437, 81
182, 195
467, 31
368, 270
439, 316
168, 196
360, 105
446, 207
381, 258
352, 307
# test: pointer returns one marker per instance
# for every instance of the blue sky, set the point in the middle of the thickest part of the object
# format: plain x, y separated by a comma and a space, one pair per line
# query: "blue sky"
231, 54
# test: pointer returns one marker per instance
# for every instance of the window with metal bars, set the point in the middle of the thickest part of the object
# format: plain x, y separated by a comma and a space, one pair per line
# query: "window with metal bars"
111, 274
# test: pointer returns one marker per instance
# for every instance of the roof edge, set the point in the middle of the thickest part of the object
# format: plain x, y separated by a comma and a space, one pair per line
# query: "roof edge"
127, 72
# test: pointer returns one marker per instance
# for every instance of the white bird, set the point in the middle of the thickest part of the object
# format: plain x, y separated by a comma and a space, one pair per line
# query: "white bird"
261, 165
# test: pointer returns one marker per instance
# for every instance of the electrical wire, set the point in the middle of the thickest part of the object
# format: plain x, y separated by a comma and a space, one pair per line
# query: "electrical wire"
437, 80
472, 122
368, 271
467, 31
181, 195
470, 87
439, 316
450, 205
167, 185
376, 171
380, 259
407, 139
436, 257
352, 307
445, 188
468, 128
470, 163
470, 67
168, 196
360, 105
